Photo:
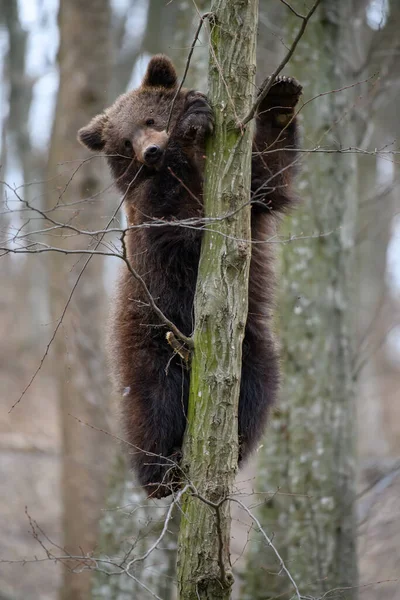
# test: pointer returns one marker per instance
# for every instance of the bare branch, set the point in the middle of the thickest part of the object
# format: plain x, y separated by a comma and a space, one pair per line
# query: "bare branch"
200, 25
269, 542
283, 63
187, 340
175, 501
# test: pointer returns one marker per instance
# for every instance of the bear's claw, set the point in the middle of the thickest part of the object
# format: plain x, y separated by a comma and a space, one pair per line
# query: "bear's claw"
197, 117
285, 89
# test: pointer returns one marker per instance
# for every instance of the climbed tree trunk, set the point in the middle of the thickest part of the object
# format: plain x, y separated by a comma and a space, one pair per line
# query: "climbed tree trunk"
78, 350
309, 449
211, 444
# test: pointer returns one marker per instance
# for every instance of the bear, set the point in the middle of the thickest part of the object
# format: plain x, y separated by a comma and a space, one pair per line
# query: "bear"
160, 171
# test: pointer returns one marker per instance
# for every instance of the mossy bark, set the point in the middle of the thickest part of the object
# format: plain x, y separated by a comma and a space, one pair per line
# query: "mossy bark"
211, 442
309, 449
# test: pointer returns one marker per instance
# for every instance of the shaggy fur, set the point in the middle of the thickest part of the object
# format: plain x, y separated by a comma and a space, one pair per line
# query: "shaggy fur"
161, 175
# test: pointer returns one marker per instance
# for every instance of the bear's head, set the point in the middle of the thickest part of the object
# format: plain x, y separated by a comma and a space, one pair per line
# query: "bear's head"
132, 132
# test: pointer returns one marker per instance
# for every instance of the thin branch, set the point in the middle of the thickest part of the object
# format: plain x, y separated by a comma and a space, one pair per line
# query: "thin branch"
292, 9
178, 347
271, 80
163, 459
164, 529
269, 542
142, 585
68, 303
187, 340
200, 25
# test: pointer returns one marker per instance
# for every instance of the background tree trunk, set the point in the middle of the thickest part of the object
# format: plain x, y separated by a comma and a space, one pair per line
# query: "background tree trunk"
308, 457
78, 353
211, 444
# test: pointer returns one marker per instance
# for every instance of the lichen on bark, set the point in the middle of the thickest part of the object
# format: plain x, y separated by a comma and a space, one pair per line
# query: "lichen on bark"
307, 461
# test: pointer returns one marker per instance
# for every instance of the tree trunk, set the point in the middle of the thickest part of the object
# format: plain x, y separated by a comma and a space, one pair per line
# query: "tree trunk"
211, 444
78, 352
309, 450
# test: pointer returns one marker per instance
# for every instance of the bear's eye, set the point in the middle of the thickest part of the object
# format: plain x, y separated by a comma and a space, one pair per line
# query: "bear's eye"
128, 145
150, 122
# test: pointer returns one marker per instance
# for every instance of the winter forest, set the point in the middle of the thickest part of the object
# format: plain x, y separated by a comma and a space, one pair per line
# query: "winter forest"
314, 513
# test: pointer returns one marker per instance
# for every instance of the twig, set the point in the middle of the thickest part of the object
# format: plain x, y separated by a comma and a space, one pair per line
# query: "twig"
185, 339
142, 585
69, 300
334, 591
189, 191
282, 64
200, 25
269, 542
292, 9
163, 459
177, 346
164, 529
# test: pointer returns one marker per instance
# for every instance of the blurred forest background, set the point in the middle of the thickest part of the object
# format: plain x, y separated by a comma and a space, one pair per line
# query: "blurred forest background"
60, 472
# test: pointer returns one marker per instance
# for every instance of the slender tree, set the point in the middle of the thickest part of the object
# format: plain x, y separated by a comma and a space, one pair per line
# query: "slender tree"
78, 356
211, 444
307, 462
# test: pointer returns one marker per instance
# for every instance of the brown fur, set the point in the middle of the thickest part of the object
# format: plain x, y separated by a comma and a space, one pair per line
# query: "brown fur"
165, 185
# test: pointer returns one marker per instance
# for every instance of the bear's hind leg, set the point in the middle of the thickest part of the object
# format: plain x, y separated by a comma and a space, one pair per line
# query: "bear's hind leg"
258, 390
155, 421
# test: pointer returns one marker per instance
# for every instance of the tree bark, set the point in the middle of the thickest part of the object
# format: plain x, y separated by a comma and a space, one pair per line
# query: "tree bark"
78, 351
309, 449
211, 443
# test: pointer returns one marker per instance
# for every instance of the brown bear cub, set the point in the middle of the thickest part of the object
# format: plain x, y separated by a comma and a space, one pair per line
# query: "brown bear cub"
160, 174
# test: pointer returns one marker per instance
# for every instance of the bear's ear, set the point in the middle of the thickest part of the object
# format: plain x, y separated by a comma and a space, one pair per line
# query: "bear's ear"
160, 73
91, 136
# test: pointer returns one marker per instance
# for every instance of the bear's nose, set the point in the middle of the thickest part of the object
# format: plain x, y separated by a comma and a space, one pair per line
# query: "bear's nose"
152, 154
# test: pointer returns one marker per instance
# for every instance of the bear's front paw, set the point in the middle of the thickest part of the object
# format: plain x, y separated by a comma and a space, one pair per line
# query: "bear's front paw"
285, 92
197, 117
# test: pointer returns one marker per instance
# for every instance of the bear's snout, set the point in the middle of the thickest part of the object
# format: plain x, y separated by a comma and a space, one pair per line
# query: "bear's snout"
149, 146
152, 154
